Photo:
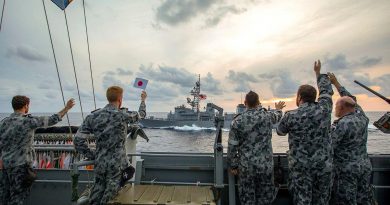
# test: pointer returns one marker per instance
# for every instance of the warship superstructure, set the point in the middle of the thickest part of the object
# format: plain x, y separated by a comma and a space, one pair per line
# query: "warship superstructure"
192, 115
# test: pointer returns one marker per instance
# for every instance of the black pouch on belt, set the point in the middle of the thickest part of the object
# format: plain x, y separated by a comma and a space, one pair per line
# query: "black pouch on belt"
126, 175
30, 176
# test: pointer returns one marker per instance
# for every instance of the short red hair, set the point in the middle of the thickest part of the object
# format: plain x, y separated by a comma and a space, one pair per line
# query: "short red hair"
114, 93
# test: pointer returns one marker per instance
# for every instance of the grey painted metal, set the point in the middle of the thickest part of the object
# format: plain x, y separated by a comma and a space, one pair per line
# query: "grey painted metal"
167, 154
232, 189
60, 181
184, 116
47, 191
83, 163
138, 171
381, 187
69, 149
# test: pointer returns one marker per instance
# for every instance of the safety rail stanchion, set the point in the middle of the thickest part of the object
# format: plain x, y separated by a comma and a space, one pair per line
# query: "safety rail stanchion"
75, 177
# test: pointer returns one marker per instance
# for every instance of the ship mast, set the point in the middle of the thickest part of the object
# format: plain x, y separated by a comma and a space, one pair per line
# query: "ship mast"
195, 92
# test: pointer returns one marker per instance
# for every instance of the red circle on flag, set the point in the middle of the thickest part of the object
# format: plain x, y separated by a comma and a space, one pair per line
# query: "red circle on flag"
140, 83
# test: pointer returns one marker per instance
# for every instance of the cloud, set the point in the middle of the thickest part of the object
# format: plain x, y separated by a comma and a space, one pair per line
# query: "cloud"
337, 62
111, 80
26, 53
179, 79
166, 83
45, 85
220, 13
178, 76
340, 62
347, 79
51, 95
211, 85
160, 90
121, 71
112, 77
383, 83
281, 83
241, 80
163, 92
369, 62
175, 12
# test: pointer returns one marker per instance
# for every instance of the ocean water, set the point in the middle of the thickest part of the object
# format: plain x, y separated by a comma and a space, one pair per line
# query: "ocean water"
199, 139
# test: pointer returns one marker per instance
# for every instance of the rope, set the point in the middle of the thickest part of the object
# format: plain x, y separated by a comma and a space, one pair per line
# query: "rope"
55, 61
2, 14
89, 55
74, 67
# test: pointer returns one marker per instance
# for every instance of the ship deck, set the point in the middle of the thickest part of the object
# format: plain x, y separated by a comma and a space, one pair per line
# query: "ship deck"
185, 169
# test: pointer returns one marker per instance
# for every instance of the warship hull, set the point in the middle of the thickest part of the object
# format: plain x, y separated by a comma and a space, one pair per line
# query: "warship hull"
155, 123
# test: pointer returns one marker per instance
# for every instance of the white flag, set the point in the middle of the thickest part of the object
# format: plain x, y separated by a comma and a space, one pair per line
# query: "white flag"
140, 83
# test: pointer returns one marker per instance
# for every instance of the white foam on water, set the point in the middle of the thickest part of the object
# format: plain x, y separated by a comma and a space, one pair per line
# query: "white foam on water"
192, 128
372, 127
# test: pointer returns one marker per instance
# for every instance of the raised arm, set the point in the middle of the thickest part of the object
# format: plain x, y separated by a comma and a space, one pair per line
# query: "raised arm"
80, 140
283, 128
343, 91
325, 89
276, 114
47, 121
142, 106
133, 116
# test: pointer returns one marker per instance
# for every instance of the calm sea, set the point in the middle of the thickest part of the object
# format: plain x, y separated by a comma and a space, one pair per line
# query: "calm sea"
198, 139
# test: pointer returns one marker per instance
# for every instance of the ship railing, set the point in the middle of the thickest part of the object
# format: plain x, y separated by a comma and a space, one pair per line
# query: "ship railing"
137, 180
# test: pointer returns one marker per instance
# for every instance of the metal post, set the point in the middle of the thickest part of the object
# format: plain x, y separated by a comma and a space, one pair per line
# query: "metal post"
232, 189
218, 152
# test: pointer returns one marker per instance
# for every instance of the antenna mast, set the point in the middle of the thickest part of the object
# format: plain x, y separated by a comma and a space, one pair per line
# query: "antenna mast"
195, 92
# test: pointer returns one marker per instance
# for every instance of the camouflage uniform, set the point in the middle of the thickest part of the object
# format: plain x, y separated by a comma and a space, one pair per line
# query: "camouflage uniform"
310, 150
109, 125
352, 166
250, 150
16, 151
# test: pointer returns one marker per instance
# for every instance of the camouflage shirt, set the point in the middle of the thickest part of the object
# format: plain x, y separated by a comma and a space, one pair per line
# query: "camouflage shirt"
308, 126
250, 135
109, 126
349, 135
17, 135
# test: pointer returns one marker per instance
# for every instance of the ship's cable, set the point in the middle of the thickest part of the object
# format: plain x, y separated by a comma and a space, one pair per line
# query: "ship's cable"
89, 55
74, 66
55, 61
2, 14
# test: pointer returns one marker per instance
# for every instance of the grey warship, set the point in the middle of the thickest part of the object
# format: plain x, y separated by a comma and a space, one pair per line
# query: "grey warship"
191, 116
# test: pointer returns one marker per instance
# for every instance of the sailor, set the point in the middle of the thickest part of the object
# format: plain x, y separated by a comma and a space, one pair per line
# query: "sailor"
109, 126
250, 153
16, 149
310, 150
352, 166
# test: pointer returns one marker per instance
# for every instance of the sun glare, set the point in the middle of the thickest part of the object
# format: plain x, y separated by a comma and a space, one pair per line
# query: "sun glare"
254, 32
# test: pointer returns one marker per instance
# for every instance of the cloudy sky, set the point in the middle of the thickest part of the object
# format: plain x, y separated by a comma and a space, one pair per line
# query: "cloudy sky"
267, 46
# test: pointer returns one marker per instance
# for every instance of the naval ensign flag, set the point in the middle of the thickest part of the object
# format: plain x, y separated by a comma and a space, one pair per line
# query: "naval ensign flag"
140, 83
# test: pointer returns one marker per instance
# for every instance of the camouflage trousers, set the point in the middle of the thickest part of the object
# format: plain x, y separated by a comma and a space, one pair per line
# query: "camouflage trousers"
256, 187
105, 187
353, 188
310, 187
13, 190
